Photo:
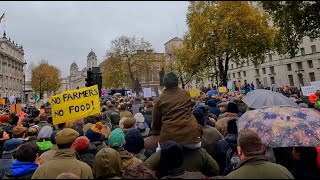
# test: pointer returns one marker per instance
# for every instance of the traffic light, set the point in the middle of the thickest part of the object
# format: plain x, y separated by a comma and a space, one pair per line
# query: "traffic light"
99, 82
89, 79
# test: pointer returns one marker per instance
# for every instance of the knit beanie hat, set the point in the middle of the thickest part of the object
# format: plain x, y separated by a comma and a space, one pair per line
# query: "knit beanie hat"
170, 80
116, 138
97, 127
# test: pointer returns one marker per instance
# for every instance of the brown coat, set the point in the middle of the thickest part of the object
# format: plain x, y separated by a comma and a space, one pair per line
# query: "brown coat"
210, 138
221, 125
63, 160
172, 118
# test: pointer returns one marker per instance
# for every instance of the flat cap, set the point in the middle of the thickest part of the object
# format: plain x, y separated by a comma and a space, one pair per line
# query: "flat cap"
66, 136
223, 104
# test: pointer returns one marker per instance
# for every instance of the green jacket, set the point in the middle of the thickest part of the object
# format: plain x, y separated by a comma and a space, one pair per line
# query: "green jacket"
194, 160
258, 167
64, 160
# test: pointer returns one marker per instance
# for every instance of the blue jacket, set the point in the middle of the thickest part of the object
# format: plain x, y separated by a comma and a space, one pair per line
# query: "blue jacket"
213, 107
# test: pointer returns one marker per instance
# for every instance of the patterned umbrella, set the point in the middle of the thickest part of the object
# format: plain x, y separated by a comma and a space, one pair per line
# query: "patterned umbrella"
284, 126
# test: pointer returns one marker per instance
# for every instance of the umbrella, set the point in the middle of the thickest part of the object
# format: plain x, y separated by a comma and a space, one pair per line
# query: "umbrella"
260, 98
212, 92
284, 126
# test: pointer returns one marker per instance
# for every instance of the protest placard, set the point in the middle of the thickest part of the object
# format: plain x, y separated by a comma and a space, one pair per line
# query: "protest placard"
15, 108
194, 92
222, 89
315, 84
75, 104
307, 90
147, 92
2, 101
230, 85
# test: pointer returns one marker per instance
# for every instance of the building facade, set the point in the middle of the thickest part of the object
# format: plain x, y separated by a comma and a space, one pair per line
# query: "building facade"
177, 43
76, 79
281, 70
11, 68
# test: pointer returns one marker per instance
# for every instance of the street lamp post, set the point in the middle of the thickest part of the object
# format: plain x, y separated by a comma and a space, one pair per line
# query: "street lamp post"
24, 81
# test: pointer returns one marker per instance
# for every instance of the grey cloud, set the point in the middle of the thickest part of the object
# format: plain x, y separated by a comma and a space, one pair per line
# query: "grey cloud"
62, 32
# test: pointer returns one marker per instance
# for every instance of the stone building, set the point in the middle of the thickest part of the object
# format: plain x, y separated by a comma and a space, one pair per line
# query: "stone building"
177, 43
76, 79
282, 70
11, 68
153, 64
147, 65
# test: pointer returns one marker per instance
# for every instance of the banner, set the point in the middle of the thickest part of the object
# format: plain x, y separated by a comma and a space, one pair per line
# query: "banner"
75, 104
194, 92
307, 90
222, 89
2, 101
147, 92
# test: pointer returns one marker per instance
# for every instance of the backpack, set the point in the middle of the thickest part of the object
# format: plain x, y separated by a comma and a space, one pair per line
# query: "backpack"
231, 156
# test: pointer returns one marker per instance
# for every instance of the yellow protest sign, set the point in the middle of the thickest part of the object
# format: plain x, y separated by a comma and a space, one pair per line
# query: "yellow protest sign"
71, 105
2, 101
194, 92
222, 89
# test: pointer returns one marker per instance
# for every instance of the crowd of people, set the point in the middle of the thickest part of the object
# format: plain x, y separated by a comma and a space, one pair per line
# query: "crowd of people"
166, 137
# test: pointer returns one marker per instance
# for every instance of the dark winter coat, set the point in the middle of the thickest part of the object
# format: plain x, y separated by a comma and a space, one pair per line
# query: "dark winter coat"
258, 167
194, 160
221, 150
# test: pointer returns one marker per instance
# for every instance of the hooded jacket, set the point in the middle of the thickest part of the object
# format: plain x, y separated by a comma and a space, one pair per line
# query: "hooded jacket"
21, 170
127, 159
107, 164
213, 107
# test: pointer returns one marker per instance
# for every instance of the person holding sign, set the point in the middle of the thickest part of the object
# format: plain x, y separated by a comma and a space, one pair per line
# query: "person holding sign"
172, 117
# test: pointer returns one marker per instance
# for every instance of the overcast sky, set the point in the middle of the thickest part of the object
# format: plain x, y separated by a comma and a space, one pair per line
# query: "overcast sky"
63, 32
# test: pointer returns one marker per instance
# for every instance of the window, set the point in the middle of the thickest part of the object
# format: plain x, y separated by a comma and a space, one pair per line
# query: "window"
237, 65
244, 74
310, 64
158, 67
289, 68
264, 71
234, 75
231, 66
290, 77
272, 80
299, 65
270, 57
313, 49
302, 51
300, 78
257, 72
271, 69
239, 74
312, 77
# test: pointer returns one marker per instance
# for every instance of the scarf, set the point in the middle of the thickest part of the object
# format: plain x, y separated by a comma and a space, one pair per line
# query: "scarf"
23, 168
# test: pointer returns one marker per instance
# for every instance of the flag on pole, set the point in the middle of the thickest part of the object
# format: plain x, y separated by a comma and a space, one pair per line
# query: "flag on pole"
2, 17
